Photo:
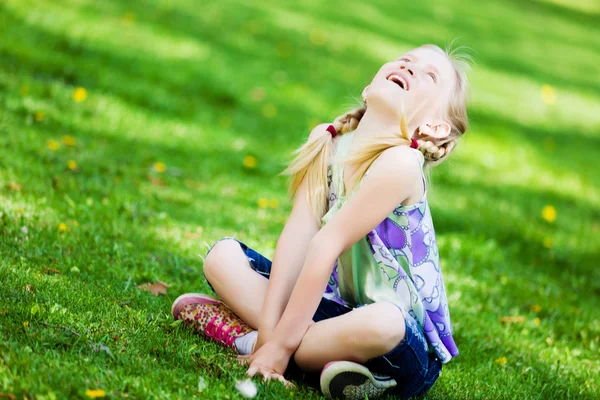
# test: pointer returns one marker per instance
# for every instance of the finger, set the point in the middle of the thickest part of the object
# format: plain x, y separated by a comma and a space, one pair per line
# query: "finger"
244, 360
252, 370
288, 384
266, 375
280, 378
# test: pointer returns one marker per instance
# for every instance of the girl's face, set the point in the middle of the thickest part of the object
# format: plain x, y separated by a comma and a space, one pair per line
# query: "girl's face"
419, 83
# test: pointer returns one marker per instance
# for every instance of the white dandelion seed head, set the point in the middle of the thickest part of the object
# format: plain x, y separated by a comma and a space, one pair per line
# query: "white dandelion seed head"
247, 388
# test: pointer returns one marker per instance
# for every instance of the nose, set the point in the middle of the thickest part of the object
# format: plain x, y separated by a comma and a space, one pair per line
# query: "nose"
410, 71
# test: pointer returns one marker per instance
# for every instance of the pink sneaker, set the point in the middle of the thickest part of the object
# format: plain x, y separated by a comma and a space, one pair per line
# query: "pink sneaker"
191, 298
210, 317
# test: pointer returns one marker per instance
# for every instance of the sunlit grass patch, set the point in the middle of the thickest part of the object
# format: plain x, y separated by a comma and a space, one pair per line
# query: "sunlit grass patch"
133, 135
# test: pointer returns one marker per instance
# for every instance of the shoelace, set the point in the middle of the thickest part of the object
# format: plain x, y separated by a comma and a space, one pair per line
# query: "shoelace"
217, 332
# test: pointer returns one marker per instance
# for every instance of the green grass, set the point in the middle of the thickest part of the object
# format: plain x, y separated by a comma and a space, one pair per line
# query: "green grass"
173, 82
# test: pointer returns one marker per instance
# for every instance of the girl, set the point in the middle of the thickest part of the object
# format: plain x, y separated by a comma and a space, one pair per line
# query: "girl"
355, 288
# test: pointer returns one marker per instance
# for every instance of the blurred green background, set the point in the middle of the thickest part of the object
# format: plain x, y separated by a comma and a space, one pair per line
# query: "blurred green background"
133, 132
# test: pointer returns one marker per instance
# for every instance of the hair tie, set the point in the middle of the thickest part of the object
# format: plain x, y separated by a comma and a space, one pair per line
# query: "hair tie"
414, 144
331, 129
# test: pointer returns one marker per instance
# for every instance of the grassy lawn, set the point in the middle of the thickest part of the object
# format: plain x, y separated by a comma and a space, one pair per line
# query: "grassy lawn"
190, 109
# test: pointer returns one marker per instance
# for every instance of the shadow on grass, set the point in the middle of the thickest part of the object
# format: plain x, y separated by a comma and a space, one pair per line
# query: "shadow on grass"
193, 93
484, 32
521, 235
556, 148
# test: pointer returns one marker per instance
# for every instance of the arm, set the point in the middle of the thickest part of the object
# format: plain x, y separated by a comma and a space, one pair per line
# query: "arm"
287, 262
392, 179
289, 256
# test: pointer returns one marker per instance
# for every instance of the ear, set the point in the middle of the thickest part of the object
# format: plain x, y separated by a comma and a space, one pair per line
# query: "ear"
364, 93
438, 130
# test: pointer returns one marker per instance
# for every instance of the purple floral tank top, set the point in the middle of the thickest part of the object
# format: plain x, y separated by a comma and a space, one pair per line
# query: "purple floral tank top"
398, 261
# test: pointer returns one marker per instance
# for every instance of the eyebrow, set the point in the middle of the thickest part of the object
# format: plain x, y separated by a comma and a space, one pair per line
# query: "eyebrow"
434, 69
407, 56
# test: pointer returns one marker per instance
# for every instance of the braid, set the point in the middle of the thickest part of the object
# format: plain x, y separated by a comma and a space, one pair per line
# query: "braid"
312, 159
349, 121
434, 154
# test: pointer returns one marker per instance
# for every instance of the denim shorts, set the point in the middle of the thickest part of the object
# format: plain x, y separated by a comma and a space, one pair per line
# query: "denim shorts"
411, 363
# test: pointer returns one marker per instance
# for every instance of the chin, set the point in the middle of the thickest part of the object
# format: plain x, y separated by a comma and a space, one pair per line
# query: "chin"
391, 100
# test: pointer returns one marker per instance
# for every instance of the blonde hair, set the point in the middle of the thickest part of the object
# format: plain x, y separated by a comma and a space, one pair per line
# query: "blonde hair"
311, 159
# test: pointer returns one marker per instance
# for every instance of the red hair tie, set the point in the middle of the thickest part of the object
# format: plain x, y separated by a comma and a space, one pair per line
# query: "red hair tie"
331, 129
414, 144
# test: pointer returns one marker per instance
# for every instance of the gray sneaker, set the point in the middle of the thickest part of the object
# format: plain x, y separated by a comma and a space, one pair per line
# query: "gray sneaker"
352, 381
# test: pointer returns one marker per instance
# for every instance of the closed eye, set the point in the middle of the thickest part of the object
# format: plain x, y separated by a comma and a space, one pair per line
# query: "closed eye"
432, 75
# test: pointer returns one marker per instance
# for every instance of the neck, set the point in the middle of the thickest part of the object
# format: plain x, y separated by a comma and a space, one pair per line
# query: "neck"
375, 122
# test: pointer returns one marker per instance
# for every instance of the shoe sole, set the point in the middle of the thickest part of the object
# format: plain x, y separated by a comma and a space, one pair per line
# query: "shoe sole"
351, 381
190, 298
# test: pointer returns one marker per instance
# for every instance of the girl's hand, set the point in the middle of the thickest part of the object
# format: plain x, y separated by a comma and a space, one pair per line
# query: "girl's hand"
270, 361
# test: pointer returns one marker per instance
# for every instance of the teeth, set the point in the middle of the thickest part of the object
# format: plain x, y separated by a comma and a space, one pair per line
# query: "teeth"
397, 79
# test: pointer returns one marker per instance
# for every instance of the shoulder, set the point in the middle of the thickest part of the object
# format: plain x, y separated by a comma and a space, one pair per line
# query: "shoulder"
395, 176
400, 163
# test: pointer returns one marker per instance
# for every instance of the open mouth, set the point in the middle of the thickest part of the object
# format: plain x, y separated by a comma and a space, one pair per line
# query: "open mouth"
399, 80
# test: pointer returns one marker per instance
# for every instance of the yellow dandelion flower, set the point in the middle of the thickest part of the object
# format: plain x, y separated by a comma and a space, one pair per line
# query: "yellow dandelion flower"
253, 27
273, 203
79, 94
269, 110
263, 203
62, 227
547, 242
95, 393
159, 167
72, 165
536, 321
258, 94
549, 213
250, 162
284, 50
318, 37
53, 145
548, 95
225, 122
549, 145
69, 141
501, 361
39, 116
128, 17
535, 308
